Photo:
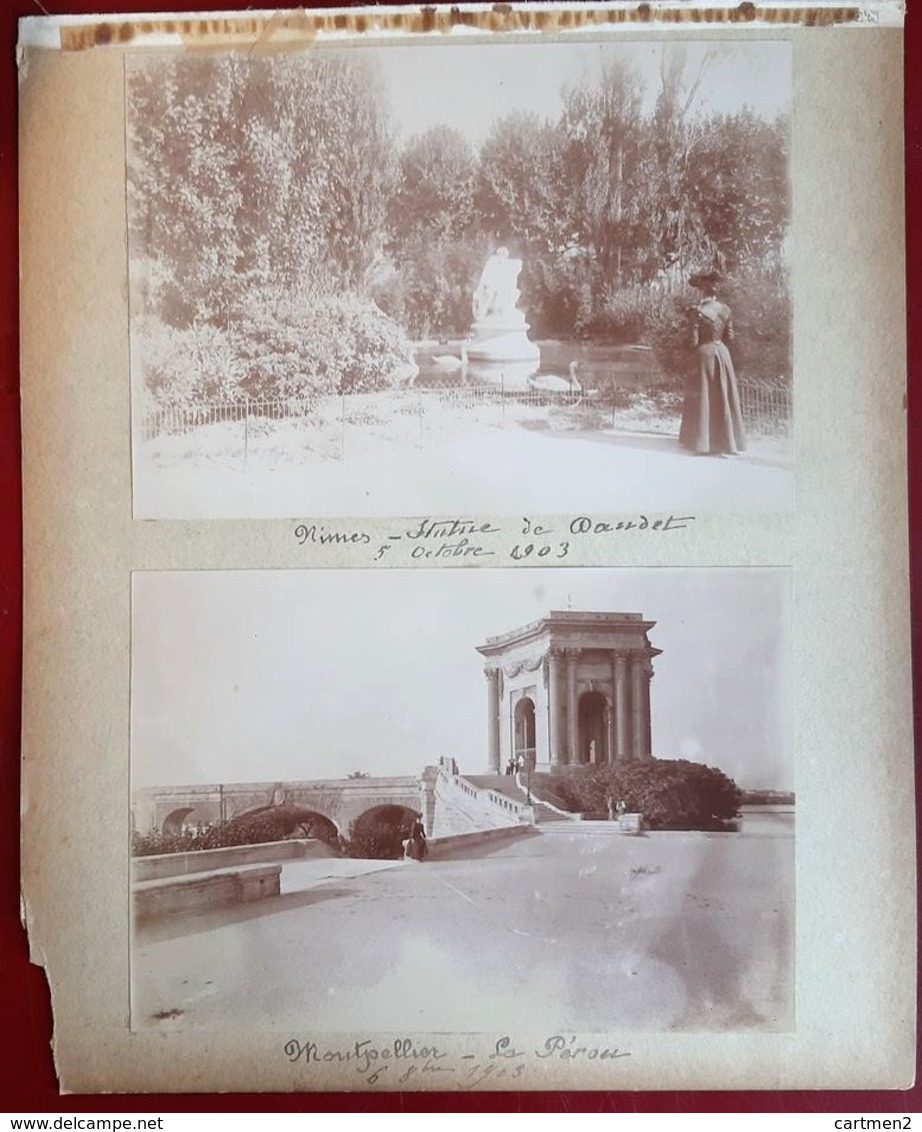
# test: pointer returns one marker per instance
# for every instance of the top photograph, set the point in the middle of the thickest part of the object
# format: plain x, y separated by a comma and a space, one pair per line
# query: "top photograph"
482, 277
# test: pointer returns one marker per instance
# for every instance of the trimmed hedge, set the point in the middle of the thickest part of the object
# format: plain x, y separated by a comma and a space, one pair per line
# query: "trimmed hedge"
670, 793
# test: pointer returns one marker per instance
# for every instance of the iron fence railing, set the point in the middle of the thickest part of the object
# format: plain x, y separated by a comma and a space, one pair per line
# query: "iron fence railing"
766, 404
178, 419
416, 415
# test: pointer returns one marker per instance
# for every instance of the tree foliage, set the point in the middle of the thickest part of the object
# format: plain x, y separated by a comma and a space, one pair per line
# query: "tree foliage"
250, 172
668, 792
261, 190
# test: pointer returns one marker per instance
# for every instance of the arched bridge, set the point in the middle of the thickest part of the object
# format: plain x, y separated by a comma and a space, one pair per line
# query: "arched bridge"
341, 801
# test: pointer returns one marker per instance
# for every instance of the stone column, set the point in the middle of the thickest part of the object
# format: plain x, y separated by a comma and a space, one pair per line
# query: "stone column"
639, 697
572, 713
556, 739
492, 675
542, 719
647, 744
619, 745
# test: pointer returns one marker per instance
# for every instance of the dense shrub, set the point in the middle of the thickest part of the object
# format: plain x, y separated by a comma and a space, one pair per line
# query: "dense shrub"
761, 306
761, 309
669, 793
558, 294
196, 365
638, 315
333, 344
276, 347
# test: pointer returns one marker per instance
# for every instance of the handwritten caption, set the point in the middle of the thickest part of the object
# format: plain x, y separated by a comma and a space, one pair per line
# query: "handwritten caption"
461, 540
404, 1059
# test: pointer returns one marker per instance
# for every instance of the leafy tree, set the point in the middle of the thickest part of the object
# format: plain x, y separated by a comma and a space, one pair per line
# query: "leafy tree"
183, 193
245, 172
674, 235
603, 127
434, 195
435, 253
736, 184
519, 186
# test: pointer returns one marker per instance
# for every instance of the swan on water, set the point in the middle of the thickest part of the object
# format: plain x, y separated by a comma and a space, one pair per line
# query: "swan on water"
449, 361
556, 383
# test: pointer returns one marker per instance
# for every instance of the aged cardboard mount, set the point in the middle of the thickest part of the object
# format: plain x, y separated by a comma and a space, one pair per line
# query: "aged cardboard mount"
242, 573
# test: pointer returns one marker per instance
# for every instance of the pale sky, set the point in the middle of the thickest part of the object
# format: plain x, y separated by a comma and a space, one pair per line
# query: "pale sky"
285, 675
469, 85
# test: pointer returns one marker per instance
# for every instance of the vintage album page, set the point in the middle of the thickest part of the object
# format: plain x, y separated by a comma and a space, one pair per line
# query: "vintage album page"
466, 628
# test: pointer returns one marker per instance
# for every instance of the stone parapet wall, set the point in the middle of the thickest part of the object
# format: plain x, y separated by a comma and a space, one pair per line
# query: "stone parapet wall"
446, 846
216, 889
165, 865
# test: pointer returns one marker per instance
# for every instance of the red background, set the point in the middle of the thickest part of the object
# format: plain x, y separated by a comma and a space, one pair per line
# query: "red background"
27, 1080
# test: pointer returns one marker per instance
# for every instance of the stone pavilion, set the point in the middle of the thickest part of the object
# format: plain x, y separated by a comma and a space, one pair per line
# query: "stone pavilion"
572, 689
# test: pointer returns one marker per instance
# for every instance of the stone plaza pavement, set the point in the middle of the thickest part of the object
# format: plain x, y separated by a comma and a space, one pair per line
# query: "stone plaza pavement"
576, 928
605, 472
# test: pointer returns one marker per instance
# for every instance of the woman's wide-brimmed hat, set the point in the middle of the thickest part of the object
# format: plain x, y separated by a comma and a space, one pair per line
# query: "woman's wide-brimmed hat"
702, 279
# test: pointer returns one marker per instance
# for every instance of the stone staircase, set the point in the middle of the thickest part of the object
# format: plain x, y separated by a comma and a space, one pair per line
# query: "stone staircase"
506, 785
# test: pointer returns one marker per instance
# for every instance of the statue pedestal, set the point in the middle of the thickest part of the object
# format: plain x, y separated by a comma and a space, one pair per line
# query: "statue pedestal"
500, 352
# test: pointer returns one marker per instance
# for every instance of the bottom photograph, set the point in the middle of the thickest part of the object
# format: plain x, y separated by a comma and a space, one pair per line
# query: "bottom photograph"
463, 801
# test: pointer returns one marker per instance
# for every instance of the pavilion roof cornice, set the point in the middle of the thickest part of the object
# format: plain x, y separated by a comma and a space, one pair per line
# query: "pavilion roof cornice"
562, 622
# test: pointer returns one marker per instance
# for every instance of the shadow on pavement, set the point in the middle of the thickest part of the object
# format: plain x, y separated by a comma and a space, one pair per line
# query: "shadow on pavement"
210, 919
663, 443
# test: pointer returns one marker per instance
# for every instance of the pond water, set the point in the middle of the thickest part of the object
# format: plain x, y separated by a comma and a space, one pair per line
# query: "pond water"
767, 821
598, 365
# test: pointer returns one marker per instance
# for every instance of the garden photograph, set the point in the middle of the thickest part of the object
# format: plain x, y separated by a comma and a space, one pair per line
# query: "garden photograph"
560, 276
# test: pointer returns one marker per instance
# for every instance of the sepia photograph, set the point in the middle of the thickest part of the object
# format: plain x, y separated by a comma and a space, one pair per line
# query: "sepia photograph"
558, 279
552, 801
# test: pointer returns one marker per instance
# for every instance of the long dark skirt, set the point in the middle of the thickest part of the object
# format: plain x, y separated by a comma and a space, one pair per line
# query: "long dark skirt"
711, 418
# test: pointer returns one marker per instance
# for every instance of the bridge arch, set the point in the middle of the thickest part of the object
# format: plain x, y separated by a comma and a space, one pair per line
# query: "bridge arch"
174, 821
311, 823
381, 831
292, 820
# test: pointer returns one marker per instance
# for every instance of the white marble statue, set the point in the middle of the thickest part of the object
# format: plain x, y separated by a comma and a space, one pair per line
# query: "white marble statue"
496, 293
498, 348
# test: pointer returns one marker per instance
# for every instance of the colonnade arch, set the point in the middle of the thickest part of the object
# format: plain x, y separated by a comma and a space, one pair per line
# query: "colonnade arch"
524, 731
593, 731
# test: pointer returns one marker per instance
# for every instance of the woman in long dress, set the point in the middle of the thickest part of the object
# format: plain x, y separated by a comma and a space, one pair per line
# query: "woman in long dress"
712, 423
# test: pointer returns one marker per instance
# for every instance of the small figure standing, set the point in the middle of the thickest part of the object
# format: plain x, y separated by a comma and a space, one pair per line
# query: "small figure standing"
712, 421
609, 802
415, 847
